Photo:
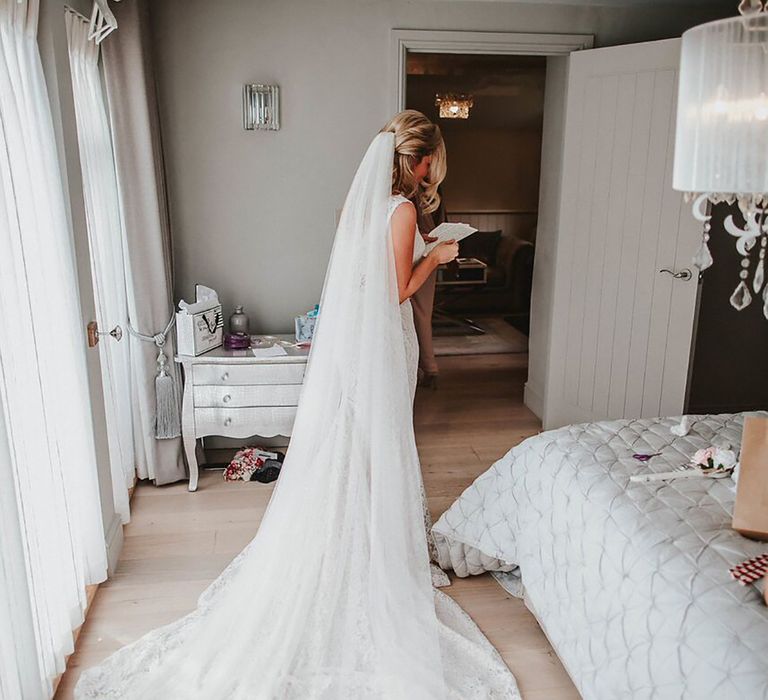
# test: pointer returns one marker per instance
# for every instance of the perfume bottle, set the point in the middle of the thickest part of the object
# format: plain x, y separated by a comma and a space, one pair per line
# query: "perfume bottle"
238, 322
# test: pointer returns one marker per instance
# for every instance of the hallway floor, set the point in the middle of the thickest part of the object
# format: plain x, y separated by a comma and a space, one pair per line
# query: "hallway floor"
178, 542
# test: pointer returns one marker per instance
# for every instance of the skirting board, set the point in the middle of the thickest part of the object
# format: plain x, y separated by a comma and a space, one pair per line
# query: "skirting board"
114, 542
533, 400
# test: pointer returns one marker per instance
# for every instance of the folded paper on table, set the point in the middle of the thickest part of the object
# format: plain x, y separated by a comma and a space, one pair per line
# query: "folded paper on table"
449, 231
271, 351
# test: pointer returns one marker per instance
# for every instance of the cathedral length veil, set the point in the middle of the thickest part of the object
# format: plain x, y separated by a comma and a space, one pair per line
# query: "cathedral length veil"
332, 599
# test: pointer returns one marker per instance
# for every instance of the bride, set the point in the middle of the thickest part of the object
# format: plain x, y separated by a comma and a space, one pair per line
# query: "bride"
333, 598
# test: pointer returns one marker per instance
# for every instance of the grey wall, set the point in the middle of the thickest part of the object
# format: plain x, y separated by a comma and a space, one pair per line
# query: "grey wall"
253, 213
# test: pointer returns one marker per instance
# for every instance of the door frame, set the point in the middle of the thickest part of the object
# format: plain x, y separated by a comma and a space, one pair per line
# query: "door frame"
468, 42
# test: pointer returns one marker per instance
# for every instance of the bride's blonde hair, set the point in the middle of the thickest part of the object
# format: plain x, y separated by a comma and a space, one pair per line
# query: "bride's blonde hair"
416, 137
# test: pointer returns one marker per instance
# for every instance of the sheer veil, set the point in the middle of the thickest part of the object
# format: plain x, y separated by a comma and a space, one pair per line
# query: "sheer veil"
332, 599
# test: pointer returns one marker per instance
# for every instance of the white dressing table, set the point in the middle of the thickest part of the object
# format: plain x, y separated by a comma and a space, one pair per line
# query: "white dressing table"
235, 394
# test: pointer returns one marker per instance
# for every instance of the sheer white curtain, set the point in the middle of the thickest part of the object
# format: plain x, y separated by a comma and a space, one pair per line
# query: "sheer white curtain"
105, 238
19, 668
49, 452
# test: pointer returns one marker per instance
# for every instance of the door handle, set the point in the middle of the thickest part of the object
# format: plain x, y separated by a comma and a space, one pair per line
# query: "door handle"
94, 333
684, 274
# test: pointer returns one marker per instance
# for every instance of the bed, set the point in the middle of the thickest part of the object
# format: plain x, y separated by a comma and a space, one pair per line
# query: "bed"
628, 580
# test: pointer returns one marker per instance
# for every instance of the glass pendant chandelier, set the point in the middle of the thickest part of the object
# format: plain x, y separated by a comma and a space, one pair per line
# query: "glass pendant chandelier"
454, 106
721, 147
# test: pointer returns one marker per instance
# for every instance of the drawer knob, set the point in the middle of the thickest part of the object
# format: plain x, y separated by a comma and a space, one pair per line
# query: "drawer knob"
228, 420
225, 376
226, 398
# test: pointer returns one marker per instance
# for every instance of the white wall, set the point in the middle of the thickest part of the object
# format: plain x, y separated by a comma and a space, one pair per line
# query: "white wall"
253, 213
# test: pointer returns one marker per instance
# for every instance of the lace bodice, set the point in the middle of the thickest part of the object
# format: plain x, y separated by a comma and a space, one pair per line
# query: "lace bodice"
419, 246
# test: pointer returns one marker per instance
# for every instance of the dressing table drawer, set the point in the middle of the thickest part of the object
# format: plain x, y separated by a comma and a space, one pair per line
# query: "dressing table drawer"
266, 421
228, 375
236, 396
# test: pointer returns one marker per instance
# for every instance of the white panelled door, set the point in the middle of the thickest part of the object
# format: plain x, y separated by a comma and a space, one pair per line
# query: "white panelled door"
621, 328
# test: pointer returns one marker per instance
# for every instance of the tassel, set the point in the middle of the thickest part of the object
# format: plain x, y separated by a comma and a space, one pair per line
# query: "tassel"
167, 420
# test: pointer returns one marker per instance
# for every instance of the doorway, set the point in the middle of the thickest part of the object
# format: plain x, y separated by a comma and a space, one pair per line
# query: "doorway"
490, 111
508, 73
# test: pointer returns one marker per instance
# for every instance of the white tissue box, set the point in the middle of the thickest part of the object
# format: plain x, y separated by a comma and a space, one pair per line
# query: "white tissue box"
200, 326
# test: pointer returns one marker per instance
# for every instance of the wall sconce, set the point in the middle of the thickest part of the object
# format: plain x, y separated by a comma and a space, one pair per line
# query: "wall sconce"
261, 107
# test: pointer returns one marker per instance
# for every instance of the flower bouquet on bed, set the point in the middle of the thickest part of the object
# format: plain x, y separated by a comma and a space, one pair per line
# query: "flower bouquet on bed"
711, 462
714, 461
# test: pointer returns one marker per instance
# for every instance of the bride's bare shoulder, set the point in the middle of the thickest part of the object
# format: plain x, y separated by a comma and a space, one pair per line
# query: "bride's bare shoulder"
403, 210
398, 202
403, 223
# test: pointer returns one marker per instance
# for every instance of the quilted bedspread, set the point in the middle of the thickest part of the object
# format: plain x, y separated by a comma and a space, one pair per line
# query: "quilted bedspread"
628, 580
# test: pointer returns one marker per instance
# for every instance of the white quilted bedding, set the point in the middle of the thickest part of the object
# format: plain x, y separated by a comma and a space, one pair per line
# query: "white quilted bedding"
629, 580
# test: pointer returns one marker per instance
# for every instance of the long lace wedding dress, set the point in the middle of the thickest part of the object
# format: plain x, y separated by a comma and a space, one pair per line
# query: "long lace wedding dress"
333, 598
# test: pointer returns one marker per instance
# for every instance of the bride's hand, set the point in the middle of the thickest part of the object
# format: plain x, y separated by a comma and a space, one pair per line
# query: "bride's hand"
445, 251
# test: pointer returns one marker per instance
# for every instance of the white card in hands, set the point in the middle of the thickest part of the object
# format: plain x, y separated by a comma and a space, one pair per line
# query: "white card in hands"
449, 231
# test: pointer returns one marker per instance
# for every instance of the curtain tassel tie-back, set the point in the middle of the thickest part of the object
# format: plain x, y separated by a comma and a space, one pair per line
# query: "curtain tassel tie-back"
167, 418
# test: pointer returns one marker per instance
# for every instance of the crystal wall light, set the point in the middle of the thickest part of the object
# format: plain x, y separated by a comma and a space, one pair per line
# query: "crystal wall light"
261, 107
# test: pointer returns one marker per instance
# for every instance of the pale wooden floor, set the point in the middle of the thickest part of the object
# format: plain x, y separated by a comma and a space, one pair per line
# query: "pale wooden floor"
178, 542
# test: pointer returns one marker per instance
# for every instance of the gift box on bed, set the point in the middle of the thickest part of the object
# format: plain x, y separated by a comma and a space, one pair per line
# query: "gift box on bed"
750, 512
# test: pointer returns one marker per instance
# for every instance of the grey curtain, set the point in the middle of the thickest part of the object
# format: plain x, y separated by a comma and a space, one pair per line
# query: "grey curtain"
132, 98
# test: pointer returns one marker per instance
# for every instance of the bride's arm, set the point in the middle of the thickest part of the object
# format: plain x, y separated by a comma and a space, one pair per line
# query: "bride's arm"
409, 276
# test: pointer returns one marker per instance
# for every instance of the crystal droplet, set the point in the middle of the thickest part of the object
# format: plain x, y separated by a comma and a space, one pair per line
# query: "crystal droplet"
765, 301
741, 298
759, 278
703, 258
750, 7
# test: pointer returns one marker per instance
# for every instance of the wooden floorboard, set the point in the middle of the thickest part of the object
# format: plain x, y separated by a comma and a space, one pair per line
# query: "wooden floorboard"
177, 542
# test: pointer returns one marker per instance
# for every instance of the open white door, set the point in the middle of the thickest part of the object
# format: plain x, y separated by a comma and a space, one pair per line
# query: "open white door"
620, 331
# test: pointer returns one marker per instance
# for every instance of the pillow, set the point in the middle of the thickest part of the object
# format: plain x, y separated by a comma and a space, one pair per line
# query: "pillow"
481, 245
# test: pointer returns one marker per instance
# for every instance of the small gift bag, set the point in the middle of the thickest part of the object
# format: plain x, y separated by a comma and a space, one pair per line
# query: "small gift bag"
199, 326
305, 325
750, 513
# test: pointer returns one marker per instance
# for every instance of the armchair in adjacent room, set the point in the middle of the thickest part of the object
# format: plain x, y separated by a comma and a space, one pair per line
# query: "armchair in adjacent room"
510, 275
